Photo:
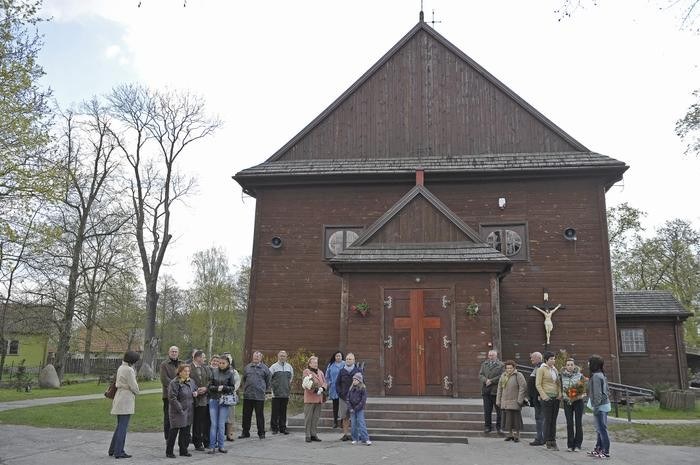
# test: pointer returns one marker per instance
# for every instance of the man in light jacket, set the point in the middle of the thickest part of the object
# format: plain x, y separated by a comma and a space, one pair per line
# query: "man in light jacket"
281, 377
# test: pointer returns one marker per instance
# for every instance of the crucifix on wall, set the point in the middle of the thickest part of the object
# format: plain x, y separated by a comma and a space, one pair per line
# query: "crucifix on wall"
547, 312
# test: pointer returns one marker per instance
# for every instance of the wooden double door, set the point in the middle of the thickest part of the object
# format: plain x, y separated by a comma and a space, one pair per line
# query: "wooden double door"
418, 342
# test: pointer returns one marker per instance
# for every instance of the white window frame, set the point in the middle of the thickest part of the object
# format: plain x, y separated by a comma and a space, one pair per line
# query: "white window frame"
633, 340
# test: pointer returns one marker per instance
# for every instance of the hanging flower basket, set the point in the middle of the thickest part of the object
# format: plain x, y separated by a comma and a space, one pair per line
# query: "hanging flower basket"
472, 308
362, 308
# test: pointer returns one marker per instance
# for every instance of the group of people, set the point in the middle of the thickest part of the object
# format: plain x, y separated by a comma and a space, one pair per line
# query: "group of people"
199, 399
506, 390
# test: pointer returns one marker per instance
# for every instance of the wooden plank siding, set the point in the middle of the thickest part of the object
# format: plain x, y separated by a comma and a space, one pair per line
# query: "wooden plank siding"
426, 101
298, 299
661, 361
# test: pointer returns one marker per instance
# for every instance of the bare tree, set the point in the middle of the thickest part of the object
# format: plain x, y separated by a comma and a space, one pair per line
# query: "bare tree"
158, 128
104, 258
89, 163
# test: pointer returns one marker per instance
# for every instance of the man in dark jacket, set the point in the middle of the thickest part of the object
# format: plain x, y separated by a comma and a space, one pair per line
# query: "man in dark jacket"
489, 374
536, 360
342, 386
256, 382
200, 424
168, 372
282, 374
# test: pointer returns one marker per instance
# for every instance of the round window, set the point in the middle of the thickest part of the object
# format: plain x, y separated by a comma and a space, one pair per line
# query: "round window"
513, 242
339, 240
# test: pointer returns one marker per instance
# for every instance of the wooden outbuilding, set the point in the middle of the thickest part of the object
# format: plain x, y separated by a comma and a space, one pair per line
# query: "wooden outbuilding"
433, 196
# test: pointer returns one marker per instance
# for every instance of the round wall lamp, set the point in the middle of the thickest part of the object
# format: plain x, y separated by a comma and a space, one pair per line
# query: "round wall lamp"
276, 242
570, 234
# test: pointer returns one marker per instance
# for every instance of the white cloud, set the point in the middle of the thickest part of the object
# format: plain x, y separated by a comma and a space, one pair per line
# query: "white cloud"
113, 51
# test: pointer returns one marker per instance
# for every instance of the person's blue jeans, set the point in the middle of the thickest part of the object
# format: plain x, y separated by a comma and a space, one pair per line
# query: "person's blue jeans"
359, 426
601, 427
116, 447
218, 413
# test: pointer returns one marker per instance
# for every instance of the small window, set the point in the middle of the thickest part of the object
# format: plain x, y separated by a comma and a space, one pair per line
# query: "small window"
13, 348
633, 340
338, 238
509, 239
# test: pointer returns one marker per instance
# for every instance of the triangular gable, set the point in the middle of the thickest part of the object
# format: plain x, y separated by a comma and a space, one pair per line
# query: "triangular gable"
410, 222
425, 97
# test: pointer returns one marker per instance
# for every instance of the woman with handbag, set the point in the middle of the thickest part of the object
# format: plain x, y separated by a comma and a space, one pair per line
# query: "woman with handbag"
181, 393
124, 403
230, 423
599, 402
222, 397
314, 384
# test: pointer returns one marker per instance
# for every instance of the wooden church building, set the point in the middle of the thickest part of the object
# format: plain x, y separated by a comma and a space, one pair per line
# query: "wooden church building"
432, 196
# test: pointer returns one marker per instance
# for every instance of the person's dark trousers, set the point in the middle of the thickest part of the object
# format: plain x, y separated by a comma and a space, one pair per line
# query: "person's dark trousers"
550, 410
539, 423
166, 419
116, 447
248, 406
278, 416
574, 429
183, 440
489, 406
200, 426
336, 407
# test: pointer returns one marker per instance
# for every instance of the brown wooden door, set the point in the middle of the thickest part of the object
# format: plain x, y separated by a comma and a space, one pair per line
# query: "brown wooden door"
416, 325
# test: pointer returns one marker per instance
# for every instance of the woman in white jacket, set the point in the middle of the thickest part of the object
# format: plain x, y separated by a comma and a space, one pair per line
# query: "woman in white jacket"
124, 403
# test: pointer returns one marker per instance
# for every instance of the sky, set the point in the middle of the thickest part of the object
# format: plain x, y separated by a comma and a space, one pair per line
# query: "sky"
615, 76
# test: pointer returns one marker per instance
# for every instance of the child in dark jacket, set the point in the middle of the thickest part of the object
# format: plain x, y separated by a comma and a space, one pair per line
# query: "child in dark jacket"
357, 398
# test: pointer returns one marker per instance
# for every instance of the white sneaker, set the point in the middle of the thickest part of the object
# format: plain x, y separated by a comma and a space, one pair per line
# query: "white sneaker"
354, 442
368, 442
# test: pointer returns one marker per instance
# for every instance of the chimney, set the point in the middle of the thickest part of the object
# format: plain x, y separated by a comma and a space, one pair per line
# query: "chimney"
420, 176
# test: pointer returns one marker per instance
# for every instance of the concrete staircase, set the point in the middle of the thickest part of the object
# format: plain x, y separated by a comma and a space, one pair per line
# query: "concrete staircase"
417, 419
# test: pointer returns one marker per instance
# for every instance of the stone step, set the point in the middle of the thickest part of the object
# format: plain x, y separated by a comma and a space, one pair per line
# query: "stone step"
417, 415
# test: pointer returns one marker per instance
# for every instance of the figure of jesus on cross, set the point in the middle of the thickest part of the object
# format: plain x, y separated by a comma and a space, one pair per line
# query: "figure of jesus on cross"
547, 312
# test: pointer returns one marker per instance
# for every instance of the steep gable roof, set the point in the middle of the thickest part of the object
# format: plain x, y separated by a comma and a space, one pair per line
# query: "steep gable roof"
419, 228
425, 97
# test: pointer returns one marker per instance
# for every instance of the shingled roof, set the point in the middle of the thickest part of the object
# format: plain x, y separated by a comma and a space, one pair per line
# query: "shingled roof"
476, 164
648, 303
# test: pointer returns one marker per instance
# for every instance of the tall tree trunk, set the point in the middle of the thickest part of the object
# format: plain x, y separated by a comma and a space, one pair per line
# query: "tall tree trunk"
66, 327
151, 342
89, 328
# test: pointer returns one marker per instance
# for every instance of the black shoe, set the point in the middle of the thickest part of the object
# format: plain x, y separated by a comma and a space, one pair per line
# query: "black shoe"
345, 437
110, 453
509, 438
516, 439
261, 436
244, 436
487, 430
275, 432
222, 450
315, 439
125, 456
537, 443
186, 454
199, 448
284, 432
308, 439
170, 456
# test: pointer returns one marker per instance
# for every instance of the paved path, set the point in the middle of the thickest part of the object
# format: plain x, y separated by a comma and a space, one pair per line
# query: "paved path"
23, 445
58, 400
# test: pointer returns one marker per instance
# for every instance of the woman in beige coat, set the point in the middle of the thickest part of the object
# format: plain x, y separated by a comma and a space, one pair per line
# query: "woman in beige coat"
510, 397
124, 403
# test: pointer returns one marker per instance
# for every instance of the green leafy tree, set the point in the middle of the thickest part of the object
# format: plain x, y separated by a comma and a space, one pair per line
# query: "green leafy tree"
24, 109
688, 127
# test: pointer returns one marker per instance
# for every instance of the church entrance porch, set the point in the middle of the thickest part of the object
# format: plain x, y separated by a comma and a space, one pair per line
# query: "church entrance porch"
418, 342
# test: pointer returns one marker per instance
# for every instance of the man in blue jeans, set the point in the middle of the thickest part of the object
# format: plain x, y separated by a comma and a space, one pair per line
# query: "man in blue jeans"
536, 360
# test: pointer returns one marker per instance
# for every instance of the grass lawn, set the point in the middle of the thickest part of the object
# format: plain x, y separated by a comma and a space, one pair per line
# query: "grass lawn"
652, 411
671, 435
94, 414
79, 389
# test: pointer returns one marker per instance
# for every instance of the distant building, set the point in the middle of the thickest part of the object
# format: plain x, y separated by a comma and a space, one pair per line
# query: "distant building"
26, 335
